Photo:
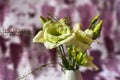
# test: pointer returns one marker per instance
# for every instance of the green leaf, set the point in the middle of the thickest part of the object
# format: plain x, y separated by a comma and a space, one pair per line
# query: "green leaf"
65, 62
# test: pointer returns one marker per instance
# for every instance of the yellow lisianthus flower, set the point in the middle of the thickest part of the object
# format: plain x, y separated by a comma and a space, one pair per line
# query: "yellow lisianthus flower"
54, 34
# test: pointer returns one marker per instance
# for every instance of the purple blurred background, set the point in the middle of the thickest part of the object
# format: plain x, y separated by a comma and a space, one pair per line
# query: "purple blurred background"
19, 22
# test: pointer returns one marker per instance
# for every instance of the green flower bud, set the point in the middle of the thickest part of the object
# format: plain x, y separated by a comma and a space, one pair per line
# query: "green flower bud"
94, 20
79, 57
97, 29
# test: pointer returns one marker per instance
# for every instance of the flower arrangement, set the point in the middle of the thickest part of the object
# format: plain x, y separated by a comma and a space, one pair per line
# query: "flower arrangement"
72, 43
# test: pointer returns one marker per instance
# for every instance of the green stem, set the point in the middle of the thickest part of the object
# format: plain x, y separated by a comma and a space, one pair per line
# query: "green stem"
63, 57
63, 50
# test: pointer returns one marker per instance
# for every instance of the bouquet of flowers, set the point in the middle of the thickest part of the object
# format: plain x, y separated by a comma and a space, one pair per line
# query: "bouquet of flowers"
70, 41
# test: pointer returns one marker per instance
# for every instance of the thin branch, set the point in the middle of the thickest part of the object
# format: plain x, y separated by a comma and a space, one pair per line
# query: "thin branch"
36, 69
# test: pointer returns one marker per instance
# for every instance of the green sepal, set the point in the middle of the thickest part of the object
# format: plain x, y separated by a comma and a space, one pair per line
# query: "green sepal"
79, 57
42, 19
48, 18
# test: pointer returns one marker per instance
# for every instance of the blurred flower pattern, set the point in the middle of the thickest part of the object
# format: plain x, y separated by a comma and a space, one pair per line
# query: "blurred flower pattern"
18, 55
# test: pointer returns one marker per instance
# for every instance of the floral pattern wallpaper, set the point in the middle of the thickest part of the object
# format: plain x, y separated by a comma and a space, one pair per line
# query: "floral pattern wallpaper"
19, 22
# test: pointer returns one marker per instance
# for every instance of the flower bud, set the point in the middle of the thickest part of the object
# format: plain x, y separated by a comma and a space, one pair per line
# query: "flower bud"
97, 29
93, 21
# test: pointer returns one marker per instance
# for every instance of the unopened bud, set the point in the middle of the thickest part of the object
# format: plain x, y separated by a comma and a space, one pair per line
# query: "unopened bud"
97, 29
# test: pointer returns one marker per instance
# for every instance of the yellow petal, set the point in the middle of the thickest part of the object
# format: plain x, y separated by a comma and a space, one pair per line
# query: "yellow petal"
39, 37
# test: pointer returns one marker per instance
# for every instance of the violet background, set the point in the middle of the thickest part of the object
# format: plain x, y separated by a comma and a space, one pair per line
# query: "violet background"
18, 55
